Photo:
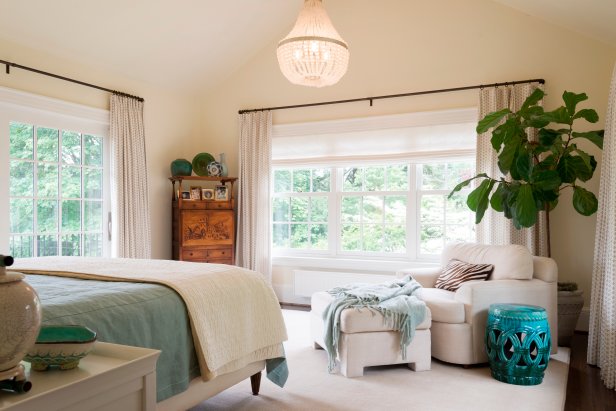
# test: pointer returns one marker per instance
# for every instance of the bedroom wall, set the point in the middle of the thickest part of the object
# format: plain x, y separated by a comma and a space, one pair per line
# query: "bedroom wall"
170, 120
410, 45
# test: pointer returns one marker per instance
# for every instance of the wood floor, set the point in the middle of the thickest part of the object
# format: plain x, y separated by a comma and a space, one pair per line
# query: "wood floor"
585, 390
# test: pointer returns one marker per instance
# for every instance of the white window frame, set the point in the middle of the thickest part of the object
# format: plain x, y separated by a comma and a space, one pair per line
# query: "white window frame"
22, 107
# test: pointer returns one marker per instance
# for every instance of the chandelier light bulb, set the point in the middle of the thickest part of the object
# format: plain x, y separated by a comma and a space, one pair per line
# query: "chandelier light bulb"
313, 54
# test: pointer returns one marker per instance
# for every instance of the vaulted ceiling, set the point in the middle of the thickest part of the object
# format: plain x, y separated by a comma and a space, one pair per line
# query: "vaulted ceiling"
189, 45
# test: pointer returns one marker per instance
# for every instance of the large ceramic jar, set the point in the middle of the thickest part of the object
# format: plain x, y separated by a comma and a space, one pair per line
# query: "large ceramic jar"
20, 310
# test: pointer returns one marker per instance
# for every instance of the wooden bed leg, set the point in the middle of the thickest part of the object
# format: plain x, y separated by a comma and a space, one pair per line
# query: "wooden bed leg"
255, 383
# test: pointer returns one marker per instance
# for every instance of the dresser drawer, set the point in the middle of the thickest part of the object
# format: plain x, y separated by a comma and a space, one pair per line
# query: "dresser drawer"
194, 205
219, 205
194, 255
220, 261
219, 253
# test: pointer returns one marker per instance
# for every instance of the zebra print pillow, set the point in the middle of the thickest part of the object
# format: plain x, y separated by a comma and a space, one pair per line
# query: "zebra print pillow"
458, 272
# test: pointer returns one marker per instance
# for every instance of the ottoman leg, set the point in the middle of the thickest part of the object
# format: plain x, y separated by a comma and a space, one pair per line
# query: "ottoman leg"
421, 365
317, 346
351, 370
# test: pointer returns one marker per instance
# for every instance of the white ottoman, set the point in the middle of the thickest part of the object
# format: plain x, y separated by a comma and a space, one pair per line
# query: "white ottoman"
365, 340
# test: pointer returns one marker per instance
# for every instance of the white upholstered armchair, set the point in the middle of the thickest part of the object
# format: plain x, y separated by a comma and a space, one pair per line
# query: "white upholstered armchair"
459, 318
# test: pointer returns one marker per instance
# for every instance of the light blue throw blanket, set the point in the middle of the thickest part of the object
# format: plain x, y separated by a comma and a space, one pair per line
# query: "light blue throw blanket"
396, 300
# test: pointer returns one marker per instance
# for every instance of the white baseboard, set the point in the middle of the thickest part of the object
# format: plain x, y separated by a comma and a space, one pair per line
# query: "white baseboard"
584, 320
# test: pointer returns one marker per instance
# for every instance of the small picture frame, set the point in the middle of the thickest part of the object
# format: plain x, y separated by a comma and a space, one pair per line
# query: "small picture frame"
207, 194
195, 193
185, 195
221, 193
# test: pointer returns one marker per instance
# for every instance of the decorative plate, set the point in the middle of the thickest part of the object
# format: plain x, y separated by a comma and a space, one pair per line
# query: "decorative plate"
200, 162
61, 345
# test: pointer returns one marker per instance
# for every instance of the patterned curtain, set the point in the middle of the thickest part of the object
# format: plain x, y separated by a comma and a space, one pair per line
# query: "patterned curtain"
602, 332
253, 228
129, 182
495, 228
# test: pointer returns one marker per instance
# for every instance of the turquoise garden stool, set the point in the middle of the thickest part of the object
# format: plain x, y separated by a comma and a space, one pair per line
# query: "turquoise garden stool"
518, 343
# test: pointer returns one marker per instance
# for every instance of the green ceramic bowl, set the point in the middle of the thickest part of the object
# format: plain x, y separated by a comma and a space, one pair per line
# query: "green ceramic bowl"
61, 345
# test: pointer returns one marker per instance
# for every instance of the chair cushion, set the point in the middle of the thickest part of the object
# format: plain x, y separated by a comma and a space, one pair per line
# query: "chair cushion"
511, 262
443, 307
458, 272
358, 320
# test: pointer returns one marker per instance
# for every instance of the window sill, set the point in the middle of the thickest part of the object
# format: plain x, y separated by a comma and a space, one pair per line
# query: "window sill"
351, 264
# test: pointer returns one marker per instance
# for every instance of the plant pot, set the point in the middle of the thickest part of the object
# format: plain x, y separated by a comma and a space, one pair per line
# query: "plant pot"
570, 305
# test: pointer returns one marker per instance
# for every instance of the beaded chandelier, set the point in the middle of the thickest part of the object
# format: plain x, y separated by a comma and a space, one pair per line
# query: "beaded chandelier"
313, 53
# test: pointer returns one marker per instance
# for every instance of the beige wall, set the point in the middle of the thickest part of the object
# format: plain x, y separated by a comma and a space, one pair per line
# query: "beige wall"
409, 45
170, 120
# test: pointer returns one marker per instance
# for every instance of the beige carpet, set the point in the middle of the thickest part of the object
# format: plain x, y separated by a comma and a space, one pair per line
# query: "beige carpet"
445, 387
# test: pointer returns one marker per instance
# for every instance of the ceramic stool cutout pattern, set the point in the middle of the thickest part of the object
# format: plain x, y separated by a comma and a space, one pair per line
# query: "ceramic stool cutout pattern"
518, 343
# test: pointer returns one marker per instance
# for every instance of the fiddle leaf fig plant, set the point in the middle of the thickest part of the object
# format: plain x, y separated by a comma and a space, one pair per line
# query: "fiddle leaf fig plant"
536, 172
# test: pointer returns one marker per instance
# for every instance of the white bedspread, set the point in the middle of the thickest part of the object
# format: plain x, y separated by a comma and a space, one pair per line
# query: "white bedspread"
234, 313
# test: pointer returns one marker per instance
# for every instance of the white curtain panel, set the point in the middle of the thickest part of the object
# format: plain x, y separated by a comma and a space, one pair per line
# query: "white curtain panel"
129, 182
495, 228
602, 331
254, 232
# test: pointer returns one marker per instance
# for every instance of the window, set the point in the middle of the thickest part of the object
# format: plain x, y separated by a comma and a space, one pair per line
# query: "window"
54, 166
56, 192
372, 188
398, 210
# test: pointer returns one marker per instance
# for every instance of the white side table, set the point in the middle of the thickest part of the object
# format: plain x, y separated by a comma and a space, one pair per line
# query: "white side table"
112, 377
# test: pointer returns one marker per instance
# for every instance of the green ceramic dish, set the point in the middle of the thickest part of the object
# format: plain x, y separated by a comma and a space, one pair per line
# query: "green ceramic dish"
61, 345
200, 162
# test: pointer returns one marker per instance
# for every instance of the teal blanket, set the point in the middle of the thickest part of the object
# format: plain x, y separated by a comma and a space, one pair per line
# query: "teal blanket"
397, 301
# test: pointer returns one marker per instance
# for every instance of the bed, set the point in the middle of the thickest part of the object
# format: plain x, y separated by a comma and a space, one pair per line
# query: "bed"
183, 309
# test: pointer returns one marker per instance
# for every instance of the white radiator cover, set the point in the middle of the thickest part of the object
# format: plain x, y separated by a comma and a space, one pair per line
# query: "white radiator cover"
307, 282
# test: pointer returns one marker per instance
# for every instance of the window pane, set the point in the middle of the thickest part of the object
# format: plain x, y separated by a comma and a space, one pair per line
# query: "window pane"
373, 209
71, 215
93, 219
301, 181
93, 245
321, 180
373, 237
47, 144
22, 211
71, 148
457, 210
318, 236
395, 239
47, 245
395, 209
21, 246
351, 237
281, 208
47, 216
299, 236
71, 182
353, 179
431, 239
432, 209
318, 209
92, 150
433, 177
22, 178
350, 209
47, 180
459, 233
375, 178
71, 245
299, 209
458, 172
281, 236
93, 183
282, 181
21, 141
397, 177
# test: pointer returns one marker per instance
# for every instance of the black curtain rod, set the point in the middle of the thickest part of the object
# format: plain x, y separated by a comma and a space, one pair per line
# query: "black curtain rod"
9, 64
416, 93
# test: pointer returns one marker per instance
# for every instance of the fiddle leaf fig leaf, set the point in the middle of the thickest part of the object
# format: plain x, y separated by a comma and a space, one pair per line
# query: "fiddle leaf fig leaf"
524, 165
547, 136
572, 99
491, 120
587, 114
571, 167
533, 99
560, 115
525, 207
498, 198
507, 155
546, 180
584, 201
595, 137
465, 183
478, 199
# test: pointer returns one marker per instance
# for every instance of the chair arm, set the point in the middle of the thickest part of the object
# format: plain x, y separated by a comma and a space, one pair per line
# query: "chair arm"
424, 276
545, 269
